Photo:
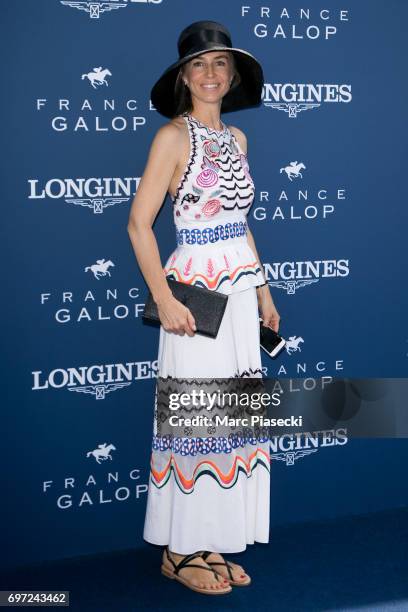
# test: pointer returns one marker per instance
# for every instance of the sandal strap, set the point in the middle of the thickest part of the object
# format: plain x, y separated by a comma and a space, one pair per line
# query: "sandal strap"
168, 556
227, 564
177, 570
185, 562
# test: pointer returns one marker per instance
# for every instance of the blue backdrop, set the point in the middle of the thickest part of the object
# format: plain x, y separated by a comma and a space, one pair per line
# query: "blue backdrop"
326, 151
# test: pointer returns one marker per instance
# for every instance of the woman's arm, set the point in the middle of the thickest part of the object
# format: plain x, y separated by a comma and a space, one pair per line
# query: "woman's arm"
151, 192
251, 243
162, 161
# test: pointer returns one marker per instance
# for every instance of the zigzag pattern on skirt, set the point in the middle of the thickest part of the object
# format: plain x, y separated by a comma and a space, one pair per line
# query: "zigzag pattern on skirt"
259, 457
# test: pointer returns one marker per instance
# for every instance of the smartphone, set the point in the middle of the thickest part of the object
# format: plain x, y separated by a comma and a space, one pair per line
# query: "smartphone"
271, 342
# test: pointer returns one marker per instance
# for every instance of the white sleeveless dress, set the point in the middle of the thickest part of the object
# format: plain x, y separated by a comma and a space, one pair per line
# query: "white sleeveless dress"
211, 493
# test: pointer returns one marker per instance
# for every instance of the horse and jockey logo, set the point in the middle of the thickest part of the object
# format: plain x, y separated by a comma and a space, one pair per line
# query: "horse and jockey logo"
102, 453
97, 77
100, 268
293, 170
292, 344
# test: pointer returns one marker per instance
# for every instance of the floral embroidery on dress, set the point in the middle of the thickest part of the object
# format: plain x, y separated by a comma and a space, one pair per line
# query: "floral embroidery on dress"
211, 148
208, 177
211, 207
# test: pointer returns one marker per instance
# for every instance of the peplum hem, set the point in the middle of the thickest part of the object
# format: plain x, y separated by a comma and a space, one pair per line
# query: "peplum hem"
228, 268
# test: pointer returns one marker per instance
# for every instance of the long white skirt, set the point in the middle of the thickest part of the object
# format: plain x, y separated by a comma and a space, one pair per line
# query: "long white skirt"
211, 494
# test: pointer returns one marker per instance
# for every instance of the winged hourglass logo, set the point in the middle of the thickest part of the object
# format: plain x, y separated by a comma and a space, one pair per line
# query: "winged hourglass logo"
96, 8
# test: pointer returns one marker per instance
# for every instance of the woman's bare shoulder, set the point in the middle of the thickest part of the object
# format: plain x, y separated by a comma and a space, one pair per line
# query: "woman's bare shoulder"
179, 122
172, 133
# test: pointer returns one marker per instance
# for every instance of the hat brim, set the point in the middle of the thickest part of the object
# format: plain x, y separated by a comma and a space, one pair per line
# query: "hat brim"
246, 94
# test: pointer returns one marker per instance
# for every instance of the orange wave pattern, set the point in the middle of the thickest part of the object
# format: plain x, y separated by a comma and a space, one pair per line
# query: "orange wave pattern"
206, 467
250, 268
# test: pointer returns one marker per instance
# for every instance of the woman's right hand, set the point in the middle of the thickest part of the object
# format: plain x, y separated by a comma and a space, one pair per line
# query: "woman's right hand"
175, 317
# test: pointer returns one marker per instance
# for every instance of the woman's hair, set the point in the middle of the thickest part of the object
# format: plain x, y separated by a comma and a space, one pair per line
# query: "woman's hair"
182, 93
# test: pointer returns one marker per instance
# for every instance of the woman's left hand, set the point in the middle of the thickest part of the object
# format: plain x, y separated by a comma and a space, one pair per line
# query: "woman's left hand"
268, 312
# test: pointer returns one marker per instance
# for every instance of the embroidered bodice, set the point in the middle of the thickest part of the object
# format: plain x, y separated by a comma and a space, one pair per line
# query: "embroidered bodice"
210, 207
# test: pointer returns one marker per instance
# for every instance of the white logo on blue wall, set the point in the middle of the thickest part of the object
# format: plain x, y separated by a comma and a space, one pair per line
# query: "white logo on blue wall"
290, 457
290, 108
309, 203
308, 23
97, 77
302, 365
99, 391
97, 205
100, 302
96, 8
290, 447
292, 344
293, 98
293, 170
298, 368
95, 380
100, 487
101, 115
102, 453
100, 268
95, 194
292, 275
291, 286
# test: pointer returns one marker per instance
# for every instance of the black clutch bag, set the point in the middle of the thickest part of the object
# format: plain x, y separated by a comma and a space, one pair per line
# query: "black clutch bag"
206, 306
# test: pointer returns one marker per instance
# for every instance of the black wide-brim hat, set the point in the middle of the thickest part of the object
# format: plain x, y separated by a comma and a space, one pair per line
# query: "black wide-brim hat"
201, 37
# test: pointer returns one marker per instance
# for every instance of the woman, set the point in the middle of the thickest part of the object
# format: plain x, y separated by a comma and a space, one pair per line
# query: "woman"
206, 496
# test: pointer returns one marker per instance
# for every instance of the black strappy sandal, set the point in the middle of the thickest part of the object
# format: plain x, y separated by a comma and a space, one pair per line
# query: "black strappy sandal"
228, 565
175, 573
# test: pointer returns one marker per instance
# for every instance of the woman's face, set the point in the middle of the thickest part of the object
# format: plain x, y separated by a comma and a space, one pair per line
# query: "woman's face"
209, 76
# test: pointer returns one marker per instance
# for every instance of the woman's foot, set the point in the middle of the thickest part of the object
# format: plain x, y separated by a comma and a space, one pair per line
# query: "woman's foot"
232, 572
194, 572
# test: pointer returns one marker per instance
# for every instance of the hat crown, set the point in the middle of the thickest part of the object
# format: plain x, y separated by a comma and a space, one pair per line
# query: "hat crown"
203, 35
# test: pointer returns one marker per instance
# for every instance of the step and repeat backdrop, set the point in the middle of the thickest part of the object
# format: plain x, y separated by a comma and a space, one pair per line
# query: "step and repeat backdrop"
326, 150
